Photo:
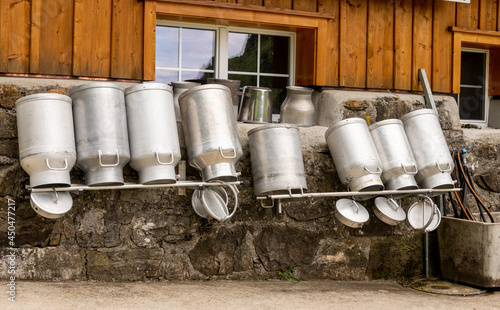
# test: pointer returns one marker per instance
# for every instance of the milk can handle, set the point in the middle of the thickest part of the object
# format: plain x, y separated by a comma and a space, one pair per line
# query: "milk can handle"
109, 165
379, 170
229, 157
289, 188
410, 172
57, 169
443, 170
162, 163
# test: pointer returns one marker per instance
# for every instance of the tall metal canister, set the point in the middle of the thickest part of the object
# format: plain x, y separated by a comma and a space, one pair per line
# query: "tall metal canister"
152, 132
355, 156
179, 87
430, 149
101, 132
46, 138
276, 157
212, 140
398, 163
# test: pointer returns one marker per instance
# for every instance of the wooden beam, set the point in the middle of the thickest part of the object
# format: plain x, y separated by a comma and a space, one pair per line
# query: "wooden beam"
475, 31
442, 41
283, 7
457, 60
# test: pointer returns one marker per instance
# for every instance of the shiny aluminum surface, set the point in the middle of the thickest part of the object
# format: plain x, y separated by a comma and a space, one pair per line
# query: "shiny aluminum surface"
298, 108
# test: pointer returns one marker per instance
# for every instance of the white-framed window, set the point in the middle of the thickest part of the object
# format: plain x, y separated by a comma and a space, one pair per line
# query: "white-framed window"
473, 100
256, 57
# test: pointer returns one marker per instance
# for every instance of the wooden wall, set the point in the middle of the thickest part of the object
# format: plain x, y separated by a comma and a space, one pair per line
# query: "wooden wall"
374, 44
83, 38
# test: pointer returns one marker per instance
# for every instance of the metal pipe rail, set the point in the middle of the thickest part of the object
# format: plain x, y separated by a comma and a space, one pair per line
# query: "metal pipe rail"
344, 194
310, 196
80, 187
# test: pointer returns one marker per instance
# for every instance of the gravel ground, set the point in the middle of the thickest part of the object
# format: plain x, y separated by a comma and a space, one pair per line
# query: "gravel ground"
237, 295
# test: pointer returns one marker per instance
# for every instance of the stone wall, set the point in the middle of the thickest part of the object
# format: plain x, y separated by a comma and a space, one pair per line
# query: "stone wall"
153, 234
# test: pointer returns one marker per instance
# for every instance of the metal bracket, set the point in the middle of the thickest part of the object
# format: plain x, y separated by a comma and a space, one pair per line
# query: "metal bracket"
182, 177
429, 99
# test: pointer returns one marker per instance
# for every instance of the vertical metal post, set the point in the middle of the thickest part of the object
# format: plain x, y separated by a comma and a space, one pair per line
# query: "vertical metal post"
427, 255
429, 99
182, 177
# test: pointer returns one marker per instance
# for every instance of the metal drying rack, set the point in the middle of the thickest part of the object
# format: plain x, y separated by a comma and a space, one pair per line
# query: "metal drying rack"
309, 196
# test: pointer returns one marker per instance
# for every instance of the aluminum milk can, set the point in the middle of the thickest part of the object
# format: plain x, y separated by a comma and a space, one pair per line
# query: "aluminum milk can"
355, 156
101, 132
298, 107
180, 87
212, 140
398, 164
430, 149
152, 132
46, 138
276, 157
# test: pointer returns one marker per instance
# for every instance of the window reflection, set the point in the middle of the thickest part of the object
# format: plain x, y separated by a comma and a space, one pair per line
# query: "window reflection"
198, 49
242, 52
273, 57
167, 47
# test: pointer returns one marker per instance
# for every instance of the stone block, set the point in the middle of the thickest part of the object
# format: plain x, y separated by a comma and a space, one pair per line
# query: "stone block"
279, 247
124, 264
8, 124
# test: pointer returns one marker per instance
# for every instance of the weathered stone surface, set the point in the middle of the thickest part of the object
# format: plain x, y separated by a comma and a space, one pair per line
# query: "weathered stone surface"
44, 264
123, 265
8, 179
395, 256
489, 181
339, 260
8, 95
9, 148
279, 247
222, 253
8, 124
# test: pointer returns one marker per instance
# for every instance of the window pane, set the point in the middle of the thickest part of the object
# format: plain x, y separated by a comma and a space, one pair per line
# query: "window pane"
472, 70
166, 76
196, 75
167, 47
278, 85
242, 52
471, 104
274, 56
198, 48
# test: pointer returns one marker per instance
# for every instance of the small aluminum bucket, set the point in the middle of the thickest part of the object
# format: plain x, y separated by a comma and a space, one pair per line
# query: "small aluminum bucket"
398, 164
256, 105
276, 158
355, 156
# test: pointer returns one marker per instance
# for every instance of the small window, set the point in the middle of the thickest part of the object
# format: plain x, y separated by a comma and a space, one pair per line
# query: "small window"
255, 57
473, 101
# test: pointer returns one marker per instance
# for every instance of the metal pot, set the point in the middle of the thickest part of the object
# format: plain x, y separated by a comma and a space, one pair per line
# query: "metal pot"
430, 149
276, 158
46, 138
256, 105
180, 87
234, 87
398, 164
298, 107
212, 140
355, 156
152, 131
101, 132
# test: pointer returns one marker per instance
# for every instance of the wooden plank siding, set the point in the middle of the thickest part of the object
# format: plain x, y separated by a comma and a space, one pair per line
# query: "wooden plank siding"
380, 47
375, 44
353, 34
126, 59
403, 32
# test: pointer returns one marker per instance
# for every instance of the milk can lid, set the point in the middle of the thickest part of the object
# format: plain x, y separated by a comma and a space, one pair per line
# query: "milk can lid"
51, 204
147, 86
